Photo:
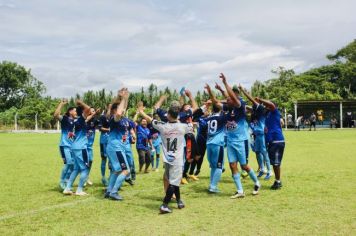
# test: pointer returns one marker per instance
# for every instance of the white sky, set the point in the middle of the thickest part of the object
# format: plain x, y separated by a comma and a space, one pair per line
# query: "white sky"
76, 45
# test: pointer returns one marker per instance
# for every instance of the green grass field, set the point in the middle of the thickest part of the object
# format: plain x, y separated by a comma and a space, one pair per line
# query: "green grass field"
319, 170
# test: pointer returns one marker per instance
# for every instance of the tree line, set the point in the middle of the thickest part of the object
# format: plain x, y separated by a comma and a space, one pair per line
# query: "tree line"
22, 93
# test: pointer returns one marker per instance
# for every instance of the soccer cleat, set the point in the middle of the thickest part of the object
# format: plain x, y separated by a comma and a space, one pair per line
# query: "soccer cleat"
82, 193
164, 209
244, 174
268, 176
115, 197
238, 195
104, 181
184, 181
129, 181
107, 195
67, 192
256, 188
180, 204
193, 177
260, 174
62, 185
213, 190
276, 185
89, 182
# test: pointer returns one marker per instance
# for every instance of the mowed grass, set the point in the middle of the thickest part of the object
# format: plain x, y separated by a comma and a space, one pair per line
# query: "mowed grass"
318, 197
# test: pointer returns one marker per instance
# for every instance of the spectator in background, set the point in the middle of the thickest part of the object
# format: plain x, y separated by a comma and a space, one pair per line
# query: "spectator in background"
312, 121
348, 119
298, 123
289, 120
333, 122
320, 114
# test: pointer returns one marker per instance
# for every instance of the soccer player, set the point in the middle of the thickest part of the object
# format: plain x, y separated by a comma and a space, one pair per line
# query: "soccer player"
259, 114
143, 143
237, 138
119, 130
215, 143
156, 142
128, 152
274, 139
67, 126
172, 134
80, 152
104, 129
91, 124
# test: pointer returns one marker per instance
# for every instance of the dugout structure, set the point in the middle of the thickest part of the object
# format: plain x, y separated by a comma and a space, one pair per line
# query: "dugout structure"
340, 109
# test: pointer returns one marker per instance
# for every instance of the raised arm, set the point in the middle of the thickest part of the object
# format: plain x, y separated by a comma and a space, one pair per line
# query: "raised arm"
85, 107
266, 103
231, 93
141, 111
223, 92
120, 111
192, 100
160, 101
58, 110
212, 97
249, 97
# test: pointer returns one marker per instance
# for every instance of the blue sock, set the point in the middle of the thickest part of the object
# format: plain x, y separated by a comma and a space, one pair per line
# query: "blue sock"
118, 183
69, 171
72, 178
157, 162
253, 176
84, 174
237, 180
260, 160
268, 163
212, 171
216, 177
112, 180
64, 172
103, 166
152, 160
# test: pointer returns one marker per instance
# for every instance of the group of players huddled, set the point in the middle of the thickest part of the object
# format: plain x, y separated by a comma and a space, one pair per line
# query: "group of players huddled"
184, 131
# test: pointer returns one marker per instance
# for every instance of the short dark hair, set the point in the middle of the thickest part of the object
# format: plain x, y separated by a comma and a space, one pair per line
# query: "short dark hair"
114, 106
173, 110
216, 109
69, 110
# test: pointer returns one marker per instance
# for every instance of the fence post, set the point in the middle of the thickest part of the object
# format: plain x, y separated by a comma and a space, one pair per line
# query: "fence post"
341, 118
57, 124
36, 122
285, 119
16, 121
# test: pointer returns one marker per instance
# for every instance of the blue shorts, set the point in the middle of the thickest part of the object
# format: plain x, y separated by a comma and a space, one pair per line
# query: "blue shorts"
275, 153
238, 152
157, 148
81, 159
90, 153
67, 155
215, 155
103, 150
117, 158
129, 158
260, 143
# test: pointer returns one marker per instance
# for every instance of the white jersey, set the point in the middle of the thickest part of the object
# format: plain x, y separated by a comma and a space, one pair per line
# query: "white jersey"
172, 135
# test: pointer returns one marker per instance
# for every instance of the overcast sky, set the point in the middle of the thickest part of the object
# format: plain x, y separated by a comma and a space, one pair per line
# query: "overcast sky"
76, 45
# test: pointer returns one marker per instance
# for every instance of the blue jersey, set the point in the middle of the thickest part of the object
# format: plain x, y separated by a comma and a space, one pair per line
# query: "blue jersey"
156, 137
183, 116
202, 129
119, 132
143, 136
259, 113
67, 129
132, 126
103, 123
236, 125
91, 126
80, 134
215, 127
273, 126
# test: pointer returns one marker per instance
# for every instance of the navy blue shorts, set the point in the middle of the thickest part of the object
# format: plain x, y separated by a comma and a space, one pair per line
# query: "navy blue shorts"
275, 153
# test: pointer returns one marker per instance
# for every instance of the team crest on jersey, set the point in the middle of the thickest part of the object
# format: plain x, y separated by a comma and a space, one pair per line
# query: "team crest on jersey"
231, 125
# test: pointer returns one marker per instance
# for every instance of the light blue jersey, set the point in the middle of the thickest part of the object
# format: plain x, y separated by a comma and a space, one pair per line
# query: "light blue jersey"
67, 131
259, 113
119, 133
236, 125
215, 124
91, 125
80, 134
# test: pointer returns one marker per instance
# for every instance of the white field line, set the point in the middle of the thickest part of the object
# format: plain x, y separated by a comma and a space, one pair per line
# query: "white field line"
63, 205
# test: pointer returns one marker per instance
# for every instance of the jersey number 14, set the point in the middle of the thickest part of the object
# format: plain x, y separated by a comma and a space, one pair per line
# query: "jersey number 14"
171, 145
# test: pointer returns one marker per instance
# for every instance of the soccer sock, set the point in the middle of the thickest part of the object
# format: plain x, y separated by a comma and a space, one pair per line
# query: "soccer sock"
253, 176
64, 172
118, 183
69, 171
157, 161
186, 168
268, 163
103, 167
72, 178
237, 180
177, 193
169, 194
192, 167
83, 178
216, 177
212, 171
259, 156
112, 180
152, 160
